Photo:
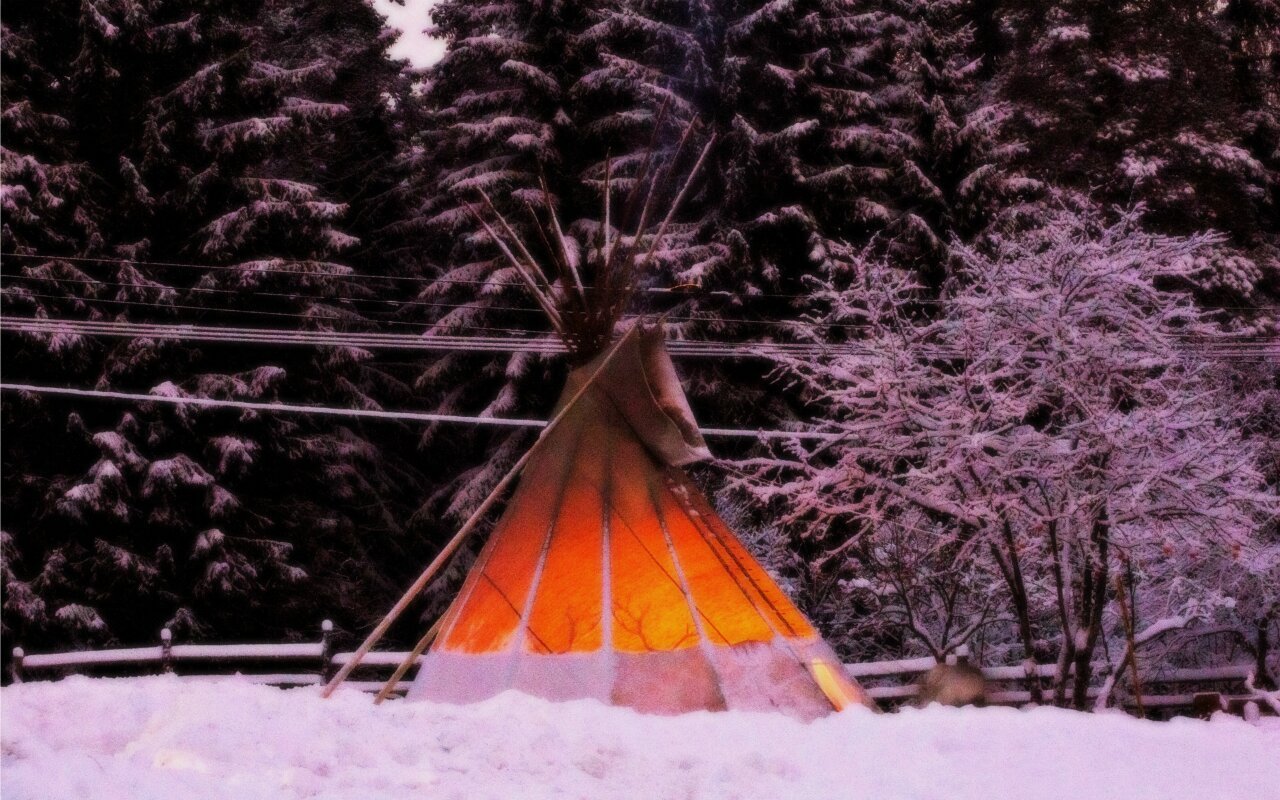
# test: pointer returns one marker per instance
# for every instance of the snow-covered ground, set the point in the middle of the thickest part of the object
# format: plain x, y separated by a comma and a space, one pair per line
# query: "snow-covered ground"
165, 738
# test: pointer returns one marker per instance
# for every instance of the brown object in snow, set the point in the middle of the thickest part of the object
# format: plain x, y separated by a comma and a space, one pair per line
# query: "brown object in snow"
959, 684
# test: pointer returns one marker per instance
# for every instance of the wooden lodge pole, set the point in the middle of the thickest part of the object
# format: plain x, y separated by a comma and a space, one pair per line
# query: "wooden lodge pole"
422, 645
467, 527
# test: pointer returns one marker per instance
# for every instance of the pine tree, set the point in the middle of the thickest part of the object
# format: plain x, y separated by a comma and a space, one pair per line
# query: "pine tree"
800, 97
44, 188
956, 179
1150, 102
1253, 32
205, 130
795, 93
494, 120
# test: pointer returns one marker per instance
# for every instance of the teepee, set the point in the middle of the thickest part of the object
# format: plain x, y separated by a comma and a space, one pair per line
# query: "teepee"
609, 575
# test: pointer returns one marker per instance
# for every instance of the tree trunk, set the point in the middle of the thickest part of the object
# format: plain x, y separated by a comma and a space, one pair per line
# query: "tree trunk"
1094, 600
1012, 571
1261, 648
1067, 648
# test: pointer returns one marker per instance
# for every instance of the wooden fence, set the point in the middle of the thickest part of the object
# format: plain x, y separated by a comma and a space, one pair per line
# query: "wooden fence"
1166, 692
890, 683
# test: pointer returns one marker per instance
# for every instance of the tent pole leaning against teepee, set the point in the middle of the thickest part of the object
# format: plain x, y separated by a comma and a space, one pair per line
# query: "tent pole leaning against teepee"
422, 645
467, 527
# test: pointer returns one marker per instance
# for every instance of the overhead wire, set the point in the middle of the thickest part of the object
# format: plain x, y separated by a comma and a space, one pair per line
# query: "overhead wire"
542, 344
351, 274
263, 293
1220, 345
367, 413
310, 316
254, 292
246, 335
1243, 348
348, 275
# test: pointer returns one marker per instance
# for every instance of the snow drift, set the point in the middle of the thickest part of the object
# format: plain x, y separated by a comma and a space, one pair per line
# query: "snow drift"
166, 737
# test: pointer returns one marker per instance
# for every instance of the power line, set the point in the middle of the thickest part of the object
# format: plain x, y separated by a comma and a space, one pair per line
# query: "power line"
390, 341
409, 416
488, 343
258, 293
347, 273
351, 274
275, 314
293, 296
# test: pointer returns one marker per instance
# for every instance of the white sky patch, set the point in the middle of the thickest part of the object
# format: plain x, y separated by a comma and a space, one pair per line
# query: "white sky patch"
412, 19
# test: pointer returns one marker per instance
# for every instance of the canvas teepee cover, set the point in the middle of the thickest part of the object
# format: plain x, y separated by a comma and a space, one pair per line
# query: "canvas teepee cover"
610, 576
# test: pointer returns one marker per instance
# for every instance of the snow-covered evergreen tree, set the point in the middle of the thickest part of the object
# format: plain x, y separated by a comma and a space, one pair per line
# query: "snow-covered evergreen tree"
796, 93
493, 120
206, 129
238, 162
571, 91
956, 178
43, 197
1158, 103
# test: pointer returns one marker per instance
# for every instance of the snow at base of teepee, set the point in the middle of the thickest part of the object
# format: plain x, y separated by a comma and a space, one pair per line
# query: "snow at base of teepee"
165, 738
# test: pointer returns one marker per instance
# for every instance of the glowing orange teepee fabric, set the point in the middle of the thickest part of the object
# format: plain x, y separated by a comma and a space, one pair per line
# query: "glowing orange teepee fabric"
610, 576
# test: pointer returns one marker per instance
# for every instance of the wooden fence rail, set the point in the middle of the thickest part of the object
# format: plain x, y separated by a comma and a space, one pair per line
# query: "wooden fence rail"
890, 683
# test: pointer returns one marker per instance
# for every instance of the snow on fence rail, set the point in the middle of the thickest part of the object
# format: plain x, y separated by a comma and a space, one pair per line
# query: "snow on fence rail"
917, 666
324, 661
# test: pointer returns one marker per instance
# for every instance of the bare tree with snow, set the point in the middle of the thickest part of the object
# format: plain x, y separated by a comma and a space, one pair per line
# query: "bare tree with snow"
1048, 427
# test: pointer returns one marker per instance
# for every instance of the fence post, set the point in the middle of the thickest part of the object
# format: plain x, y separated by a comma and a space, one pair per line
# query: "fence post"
326, 650
16, 666
1206, 704
166, 650
1251, 712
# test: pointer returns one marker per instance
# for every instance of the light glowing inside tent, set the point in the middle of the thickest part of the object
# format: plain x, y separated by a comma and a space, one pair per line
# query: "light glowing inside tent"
611, 576
833, 683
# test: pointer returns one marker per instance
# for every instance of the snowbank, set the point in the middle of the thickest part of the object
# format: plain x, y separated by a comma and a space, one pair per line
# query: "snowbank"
164, 738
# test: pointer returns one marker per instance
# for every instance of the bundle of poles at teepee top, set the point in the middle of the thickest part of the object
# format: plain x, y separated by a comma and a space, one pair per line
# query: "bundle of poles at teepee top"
584, 313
